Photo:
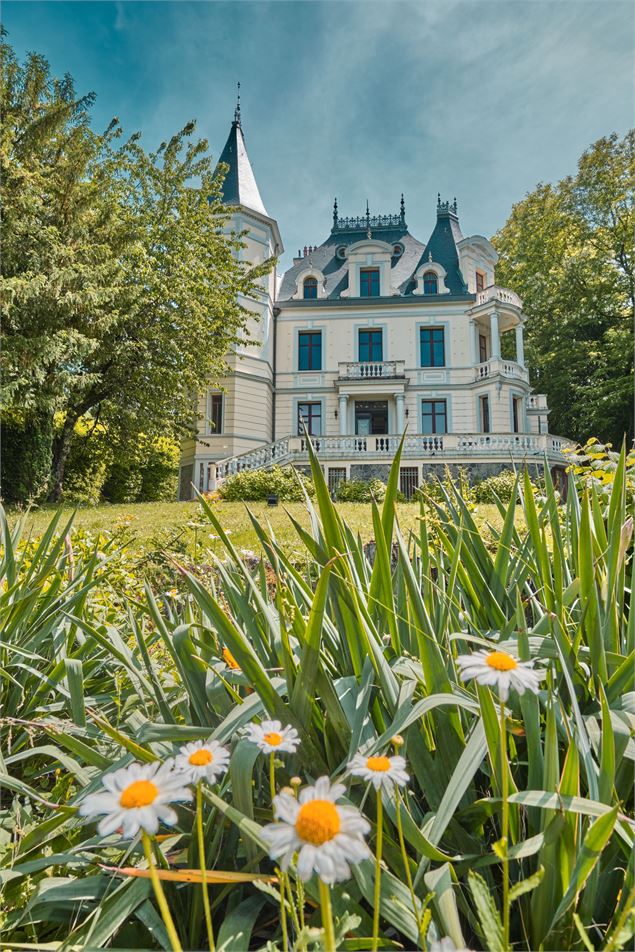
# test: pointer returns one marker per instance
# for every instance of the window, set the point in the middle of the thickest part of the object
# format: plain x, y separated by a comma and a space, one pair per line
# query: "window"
310, 350
310, 416
480, 281
485, 423
370, 345
310, 288
371, 417
430, 283
369, 282
337, 475
482, 348
432, 347
434, 416
216, 413
517, 414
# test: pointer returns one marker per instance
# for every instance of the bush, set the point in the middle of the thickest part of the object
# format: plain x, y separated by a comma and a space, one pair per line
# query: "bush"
256, 485
159, 471
27, 447
357, 490
87, 464
501, 485
435, 487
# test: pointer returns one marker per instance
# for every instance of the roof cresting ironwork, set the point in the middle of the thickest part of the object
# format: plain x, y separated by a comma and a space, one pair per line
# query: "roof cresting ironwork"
368, 222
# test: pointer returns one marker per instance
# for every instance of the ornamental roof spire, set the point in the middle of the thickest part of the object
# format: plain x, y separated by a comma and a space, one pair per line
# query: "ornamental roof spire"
239, 186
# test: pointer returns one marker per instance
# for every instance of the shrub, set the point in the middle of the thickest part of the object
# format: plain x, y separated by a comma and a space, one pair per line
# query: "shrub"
358, 490
123, 483
159, 470
87, 464
501, 485
256, 485
596, 464
26, 458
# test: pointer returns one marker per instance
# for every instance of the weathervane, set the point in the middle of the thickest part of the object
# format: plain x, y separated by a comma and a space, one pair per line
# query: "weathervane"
237, 109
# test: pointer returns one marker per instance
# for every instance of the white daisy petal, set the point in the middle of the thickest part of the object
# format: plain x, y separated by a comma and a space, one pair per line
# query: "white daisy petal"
499, 669
271, 737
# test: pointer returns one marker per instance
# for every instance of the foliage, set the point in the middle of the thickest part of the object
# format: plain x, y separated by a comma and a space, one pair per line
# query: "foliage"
359, 490
351, 654
88, 462
567, 250
27, 446
120, 281
502, 485
434, 489
145, 471
596, 464
285, 482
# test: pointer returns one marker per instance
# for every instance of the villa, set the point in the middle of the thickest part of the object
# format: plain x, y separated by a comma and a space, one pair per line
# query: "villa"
370, 334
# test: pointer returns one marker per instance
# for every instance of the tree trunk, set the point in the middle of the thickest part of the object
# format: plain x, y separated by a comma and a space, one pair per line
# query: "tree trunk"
61, 449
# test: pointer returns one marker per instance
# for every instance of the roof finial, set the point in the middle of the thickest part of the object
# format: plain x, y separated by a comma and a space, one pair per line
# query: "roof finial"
237, 109
403, 209
335, 213
438, 199
369, 233
454, 204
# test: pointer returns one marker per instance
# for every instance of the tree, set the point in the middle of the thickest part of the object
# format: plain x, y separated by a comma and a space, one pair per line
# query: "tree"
121, 284
567, 249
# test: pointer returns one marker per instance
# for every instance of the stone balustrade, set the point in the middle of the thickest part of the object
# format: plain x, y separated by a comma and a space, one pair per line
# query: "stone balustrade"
495, 293
506, 368
371, 369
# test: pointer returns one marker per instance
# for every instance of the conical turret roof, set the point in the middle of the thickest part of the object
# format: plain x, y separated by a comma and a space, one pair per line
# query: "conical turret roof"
239, 186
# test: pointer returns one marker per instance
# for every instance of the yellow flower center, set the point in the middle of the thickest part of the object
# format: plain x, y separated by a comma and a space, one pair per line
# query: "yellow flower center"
229, 660
317, 822
201, 758
379, 764
501, 661
140, 793
273, 739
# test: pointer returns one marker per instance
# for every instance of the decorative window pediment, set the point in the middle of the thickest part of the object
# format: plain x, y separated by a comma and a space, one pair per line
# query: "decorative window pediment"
369, 263
425, 276
309, 285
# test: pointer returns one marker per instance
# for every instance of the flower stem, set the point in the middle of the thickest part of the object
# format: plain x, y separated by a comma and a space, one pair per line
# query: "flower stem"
201, 859
162, 902
504, 796
406, 864
327, 917
281, 876
378, 849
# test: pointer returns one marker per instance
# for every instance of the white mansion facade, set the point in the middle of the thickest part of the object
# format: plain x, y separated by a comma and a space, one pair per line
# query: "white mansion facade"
370, 334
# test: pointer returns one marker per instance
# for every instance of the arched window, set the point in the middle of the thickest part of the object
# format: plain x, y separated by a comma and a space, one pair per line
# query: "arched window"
430, 283
310, 287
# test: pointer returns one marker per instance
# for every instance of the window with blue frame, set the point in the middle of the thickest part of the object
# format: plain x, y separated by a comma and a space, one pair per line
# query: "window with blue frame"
432, 347
371, 346
430, 283
434, 416
369, 282
310, 350
310, 288
310, 416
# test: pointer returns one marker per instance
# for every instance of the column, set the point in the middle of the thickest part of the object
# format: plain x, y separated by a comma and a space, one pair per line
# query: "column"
473, 348
400, 399
211, 477
520, 348
496, 341
343, 412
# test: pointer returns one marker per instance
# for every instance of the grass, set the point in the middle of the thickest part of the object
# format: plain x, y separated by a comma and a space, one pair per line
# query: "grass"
146, 522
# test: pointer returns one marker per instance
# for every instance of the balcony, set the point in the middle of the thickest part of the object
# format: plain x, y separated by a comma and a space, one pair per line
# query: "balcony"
504, 368
494, 293
372, 370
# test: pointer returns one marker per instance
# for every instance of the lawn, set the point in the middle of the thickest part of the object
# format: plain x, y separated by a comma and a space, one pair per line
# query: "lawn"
166, 521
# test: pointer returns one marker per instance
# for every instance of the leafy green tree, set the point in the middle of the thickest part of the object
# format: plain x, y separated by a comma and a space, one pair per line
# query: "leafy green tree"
567, 249
120, 281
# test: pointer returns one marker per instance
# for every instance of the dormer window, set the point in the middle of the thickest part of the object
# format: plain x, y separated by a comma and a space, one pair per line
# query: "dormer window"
310, 288
430, 283
369, 282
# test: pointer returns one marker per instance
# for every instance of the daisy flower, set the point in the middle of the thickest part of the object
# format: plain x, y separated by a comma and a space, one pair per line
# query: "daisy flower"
136, 798
327, 837
202, 759
272, 737
497, 668
381, 771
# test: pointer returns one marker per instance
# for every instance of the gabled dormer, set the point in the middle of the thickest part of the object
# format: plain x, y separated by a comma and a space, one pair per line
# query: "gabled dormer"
478, 259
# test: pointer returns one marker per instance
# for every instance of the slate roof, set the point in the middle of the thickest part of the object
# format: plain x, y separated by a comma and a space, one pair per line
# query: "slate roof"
442, 244
239, 186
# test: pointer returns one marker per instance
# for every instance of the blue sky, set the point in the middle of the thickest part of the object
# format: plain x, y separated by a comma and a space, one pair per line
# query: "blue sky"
480, 99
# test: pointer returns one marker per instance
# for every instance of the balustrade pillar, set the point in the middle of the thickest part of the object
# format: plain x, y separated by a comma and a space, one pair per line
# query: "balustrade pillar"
520, 348
496, 340
343, 412
473, 349
399, 399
